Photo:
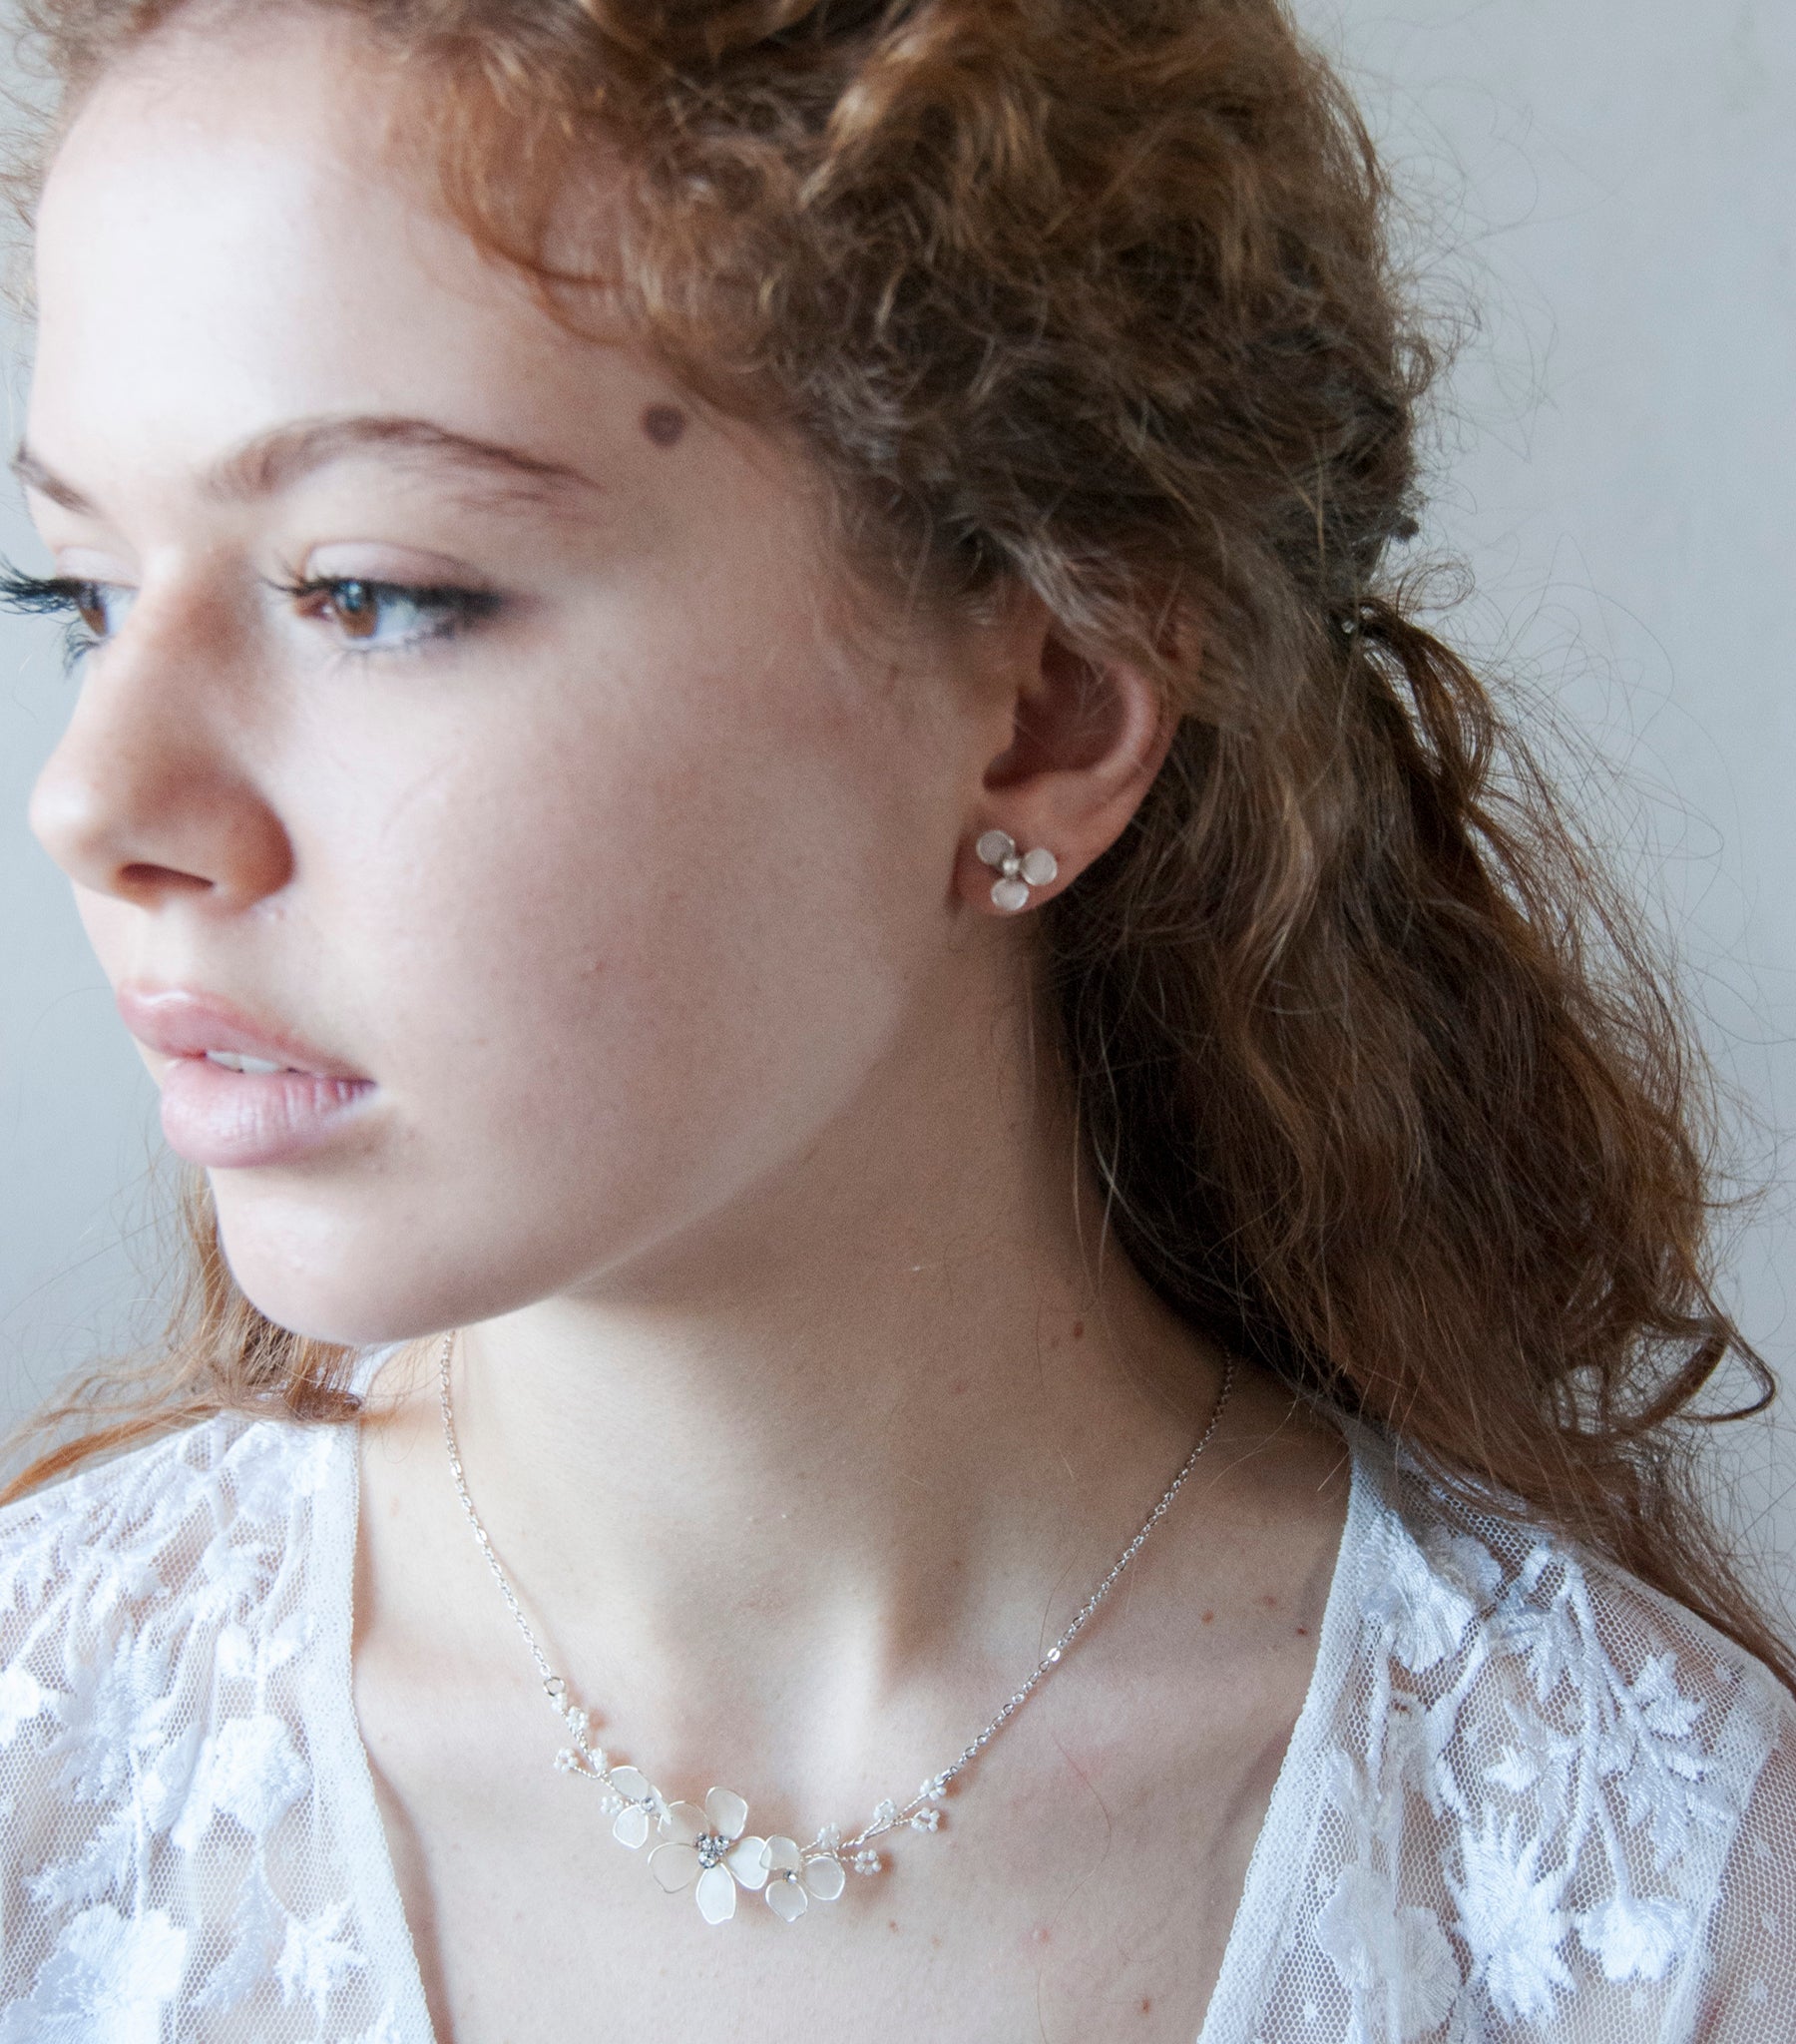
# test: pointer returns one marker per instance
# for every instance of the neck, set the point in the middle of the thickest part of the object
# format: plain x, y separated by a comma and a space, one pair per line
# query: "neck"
866, 1436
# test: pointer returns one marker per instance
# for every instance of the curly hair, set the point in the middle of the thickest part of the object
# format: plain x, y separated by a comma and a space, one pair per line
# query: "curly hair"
1096, 297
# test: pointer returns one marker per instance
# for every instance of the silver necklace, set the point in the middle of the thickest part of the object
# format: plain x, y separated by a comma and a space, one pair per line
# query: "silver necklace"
708, 1847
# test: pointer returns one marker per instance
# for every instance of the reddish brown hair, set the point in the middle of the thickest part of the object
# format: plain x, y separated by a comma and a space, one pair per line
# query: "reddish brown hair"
1095, 296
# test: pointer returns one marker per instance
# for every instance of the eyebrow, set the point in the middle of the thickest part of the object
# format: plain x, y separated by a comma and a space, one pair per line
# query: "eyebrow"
274, 461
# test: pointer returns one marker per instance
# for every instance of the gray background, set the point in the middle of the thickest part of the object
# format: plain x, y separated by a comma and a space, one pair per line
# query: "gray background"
1601, 197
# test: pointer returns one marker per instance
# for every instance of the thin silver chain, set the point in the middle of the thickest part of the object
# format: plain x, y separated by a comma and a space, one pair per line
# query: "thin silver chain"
891, 1815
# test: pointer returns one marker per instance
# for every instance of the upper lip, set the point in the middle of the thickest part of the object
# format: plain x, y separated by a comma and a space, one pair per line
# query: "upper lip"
187, 1022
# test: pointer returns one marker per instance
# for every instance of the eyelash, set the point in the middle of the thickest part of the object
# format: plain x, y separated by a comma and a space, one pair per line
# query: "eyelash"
61, 597
453, 609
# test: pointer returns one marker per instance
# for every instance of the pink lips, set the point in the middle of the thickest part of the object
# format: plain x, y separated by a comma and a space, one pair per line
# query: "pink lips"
213, 1115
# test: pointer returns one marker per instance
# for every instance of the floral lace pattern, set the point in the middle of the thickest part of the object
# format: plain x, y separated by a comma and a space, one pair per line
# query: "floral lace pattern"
181, 1858
1542, 1802
1527, 1799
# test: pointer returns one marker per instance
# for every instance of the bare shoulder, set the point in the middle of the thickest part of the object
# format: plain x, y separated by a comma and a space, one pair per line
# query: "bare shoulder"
1279, 1444
1274, 1483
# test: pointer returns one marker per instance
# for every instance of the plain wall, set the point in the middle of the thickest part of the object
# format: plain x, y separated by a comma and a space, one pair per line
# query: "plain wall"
1601, 197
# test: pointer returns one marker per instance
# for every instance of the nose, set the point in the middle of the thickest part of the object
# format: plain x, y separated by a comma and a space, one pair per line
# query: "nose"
149, 796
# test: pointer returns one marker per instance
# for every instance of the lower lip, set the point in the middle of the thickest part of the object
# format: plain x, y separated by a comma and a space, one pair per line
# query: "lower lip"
215, 1117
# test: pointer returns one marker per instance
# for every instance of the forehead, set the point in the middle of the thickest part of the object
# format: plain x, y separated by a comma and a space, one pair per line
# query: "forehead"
229, 240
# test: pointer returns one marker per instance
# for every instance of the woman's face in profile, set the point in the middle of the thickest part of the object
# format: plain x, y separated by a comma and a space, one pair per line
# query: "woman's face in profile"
473, 712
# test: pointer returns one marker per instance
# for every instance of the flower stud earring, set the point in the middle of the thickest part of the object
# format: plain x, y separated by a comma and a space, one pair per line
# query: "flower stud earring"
1016, 872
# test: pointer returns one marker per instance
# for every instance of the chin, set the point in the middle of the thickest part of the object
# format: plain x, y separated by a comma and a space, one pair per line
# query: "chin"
362, 1272
354, 1286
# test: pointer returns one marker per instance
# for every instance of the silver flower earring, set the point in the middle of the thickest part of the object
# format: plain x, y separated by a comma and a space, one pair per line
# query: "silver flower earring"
1018, 872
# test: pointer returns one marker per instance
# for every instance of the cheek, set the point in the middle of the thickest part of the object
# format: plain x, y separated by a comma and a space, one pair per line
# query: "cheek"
694, 922
618, 959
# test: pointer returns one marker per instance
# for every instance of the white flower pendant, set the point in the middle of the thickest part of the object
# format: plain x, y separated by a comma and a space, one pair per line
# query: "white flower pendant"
711, 1850
705, 1851
792, 1881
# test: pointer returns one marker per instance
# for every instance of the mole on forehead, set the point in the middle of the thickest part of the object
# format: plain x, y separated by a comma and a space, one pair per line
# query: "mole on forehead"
665, 424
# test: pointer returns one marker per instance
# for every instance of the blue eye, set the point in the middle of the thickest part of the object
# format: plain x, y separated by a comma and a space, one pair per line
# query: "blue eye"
389, 617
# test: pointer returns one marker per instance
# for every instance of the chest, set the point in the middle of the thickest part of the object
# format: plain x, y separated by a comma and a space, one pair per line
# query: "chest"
1083, 1885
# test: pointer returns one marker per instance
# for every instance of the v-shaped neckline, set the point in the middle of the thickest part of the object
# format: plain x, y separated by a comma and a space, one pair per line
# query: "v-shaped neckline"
1297, 1798
1260, 1911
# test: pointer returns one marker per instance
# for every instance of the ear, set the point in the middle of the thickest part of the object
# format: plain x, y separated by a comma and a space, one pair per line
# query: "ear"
1085, 740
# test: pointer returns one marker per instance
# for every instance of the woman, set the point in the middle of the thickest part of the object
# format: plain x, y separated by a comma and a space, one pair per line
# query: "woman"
747, 766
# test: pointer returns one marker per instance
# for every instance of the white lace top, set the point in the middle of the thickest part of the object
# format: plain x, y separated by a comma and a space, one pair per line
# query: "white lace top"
1525, 1799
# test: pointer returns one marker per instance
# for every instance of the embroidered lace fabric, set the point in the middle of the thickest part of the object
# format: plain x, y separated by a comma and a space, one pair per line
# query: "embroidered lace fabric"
1527, 1799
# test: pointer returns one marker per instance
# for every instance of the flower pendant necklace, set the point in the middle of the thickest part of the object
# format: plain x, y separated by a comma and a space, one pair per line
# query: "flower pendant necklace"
708, 1847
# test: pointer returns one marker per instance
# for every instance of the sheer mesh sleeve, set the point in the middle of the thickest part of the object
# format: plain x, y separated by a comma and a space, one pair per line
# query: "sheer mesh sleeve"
190, 1847
1530, 1801
1749, 1993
